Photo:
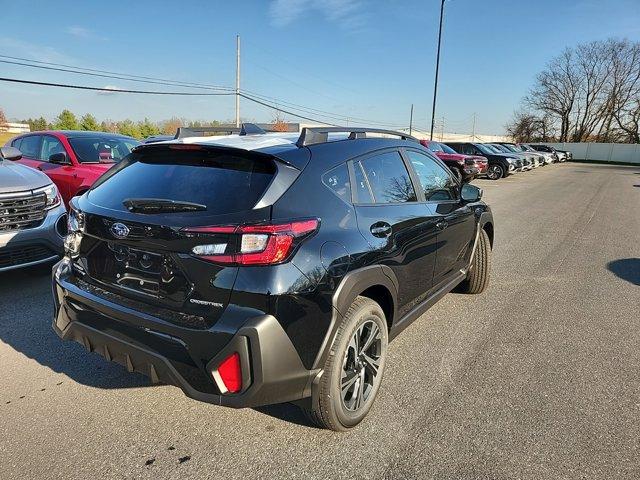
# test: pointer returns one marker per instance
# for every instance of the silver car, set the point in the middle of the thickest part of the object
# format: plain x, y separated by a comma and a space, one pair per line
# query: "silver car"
32, 215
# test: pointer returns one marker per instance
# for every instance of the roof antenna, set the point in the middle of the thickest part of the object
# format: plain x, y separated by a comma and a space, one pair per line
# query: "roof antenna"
251, 129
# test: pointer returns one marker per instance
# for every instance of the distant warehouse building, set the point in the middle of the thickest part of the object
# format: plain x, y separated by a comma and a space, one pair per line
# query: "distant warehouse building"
14, 127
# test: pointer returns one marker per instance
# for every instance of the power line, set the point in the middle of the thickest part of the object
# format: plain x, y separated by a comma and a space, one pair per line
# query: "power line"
322, 113
297, 68
161, 81
275, 107
110, 90
132, 78
173, 84
83, 87
293, 82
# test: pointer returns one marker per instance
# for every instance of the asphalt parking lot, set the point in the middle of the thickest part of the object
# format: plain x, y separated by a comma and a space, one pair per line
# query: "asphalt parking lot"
537, 378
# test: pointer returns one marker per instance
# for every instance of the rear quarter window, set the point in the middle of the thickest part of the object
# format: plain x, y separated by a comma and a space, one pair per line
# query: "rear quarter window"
337, 180
225, 183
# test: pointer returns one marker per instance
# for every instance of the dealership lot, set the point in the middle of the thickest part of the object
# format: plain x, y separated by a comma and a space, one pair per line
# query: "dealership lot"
536, 378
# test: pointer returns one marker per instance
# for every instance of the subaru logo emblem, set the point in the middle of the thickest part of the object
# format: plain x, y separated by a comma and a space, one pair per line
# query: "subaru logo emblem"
119, 230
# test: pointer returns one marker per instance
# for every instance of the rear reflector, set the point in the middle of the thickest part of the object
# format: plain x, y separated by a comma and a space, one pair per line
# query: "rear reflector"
230, 373
258, 244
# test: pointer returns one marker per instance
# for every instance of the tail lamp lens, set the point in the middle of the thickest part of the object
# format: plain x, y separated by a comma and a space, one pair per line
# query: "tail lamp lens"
258, 244
230, 373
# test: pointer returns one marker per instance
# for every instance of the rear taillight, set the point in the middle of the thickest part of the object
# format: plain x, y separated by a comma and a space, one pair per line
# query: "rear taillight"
257, 244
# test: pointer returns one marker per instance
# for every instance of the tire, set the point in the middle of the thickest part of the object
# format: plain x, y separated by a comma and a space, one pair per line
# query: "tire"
341, 409
478, 277
495, 172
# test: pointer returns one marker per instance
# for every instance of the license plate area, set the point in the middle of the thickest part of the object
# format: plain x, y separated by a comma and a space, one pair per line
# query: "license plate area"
150, 274
136, 269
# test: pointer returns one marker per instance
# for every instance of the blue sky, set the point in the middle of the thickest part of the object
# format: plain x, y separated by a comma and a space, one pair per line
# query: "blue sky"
357, 58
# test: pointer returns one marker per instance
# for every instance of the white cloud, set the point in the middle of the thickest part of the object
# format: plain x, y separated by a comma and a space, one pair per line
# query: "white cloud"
109, 87
78, 32
42, 53
84, 33
347, 14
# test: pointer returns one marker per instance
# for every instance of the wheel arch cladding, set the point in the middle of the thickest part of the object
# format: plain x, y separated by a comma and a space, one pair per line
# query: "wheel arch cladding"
488, 227
371, 282
382, 296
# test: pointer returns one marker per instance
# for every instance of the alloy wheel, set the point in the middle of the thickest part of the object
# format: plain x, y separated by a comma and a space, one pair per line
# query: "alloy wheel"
361, 366
494, 172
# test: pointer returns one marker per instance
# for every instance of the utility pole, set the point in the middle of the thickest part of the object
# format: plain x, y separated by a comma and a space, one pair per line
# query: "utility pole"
411, 121
238, 81
473, 129
435, 86
442, 131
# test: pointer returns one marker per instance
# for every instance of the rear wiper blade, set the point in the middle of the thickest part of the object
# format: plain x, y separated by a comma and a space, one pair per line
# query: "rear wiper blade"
161, 205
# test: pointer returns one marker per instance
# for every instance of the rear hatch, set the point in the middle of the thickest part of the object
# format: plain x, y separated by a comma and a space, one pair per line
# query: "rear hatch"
140, 221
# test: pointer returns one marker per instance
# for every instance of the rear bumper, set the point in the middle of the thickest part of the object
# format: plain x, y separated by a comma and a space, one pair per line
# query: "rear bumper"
272, 371
34, 246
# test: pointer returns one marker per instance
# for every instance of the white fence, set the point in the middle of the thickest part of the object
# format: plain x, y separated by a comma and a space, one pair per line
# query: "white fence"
459, 137
602, 152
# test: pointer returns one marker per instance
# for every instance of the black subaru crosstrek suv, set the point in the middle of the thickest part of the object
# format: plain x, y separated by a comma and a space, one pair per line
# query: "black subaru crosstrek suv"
263, 268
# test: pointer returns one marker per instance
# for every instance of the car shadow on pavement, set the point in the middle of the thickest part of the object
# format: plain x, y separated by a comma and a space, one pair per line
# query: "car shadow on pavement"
627, 269
26, 310
287, 412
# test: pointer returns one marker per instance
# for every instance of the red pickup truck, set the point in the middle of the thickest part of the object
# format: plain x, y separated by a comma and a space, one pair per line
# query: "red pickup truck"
464, 167
73, 160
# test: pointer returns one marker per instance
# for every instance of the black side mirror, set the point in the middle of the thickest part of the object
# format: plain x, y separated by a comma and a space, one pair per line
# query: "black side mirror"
59, 158
10, 153
470, 193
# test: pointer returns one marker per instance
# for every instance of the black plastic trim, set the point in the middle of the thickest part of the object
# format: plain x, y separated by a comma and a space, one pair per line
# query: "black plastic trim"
352, 285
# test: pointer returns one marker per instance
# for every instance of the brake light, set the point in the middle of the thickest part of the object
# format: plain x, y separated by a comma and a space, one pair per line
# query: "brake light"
182, 146
230, 373
258, 244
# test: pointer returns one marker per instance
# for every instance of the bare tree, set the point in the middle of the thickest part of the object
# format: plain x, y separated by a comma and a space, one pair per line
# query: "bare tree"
556, 91
528, 127
588, 93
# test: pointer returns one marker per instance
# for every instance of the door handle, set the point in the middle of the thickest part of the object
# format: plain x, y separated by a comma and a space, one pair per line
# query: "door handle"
380, 229
441, 225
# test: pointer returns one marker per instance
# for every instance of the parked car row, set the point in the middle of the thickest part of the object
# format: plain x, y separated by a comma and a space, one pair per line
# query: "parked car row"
468, 160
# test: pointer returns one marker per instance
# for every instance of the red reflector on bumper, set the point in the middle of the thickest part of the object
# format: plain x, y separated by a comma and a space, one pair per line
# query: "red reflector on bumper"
230, 373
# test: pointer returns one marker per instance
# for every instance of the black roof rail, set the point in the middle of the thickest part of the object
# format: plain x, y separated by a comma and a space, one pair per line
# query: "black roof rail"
315, 135
246, 129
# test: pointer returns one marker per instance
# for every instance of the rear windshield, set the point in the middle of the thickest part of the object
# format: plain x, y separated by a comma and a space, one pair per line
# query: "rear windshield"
224, 183
102, 148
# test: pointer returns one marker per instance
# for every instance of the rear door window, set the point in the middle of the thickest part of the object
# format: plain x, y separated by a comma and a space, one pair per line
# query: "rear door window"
30, 146
388, 178
224, 183
362, 190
